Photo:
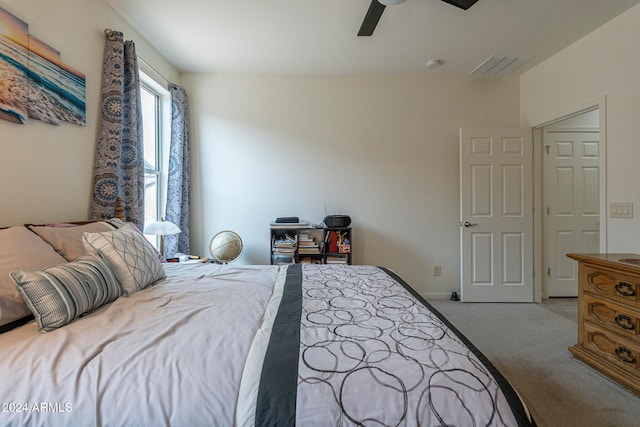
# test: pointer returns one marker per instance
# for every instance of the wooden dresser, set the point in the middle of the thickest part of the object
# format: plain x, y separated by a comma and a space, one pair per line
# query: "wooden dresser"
609, 316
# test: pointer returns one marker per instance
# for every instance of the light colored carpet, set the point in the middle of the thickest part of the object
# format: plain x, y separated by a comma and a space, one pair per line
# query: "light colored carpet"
529, 344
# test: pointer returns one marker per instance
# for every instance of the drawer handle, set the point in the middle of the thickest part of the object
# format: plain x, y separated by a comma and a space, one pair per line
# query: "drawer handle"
625, 289
624, 321
625, 355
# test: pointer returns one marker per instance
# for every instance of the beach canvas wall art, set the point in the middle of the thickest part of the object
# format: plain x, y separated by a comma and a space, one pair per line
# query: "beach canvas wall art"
14, 68
34, 82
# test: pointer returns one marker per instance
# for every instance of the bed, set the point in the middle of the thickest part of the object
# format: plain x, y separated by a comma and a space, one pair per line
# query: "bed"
97, 331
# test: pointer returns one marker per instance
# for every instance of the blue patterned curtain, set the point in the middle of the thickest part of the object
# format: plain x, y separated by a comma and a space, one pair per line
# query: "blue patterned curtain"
119, 170
179, 181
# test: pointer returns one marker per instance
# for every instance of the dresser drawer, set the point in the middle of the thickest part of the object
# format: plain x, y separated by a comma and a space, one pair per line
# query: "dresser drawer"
617, 317
620, 351
611, 284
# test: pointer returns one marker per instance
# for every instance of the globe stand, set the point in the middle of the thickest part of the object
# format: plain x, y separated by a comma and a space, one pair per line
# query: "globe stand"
225, 246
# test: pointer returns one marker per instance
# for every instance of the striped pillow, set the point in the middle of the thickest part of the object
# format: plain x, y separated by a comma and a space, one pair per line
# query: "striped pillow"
57, 295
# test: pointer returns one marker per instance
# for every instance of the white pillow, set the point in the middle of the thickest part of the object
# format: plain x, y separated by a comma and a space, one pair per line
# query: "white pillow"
67, 241
20, 249
131, 256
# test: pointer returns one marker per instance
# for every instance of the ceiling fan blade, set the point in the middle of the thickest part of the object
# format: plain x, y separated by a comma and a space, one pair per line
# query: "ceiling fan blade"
462, 4
371, 18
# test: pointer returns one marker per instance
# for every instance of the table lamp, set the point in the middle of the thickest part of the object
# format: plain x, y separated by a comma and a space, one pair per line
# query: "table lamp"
161, 228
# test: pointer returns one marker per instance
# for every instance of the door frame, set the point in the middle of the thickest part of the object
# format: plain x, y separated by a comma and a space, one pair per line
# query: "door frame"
539, 284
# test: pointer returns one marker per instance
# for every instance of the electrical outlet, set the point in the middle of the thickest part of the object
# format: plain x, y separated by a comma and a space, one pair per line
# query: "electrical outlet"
437, 270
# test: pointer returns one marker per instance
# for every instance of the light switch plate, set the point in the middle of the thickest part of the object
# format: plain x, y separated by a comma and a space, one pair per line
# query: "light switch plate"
621, 210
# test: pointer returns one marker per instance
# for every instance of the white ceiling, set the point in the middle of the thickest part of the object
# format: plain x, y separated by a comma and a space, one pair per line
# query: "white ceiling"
319, 36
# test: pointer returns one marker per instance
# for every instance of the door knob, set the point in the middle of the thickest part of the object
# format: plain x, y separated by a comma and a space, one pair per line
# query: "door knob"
468, 224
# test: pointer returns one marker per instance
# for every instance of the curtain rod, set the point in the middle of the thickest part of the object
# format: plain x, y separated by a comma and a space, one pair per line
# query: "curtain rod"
155, 71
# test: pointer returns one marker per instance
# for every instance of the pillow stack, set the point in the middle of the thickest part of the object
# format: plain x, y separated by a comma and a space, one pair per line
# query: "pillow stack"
105, 265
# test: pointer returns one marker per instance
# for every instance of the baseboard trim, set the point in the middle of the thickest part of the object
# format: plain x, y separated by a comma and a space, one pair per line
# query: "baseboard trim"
435, 295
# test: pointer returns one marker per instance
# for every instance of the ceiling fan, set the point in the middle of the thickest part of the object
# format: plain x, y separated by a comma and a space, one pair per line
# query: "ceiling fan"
377, 7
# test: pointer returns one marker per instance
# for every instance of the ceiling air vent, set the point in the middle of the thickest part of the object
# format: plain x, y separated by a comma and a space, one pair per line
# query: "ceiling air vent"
499, 65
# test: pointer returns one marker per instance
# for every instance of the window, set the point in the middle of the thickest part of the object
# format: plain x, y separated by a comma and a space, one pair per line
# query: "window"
152, 172
155, 102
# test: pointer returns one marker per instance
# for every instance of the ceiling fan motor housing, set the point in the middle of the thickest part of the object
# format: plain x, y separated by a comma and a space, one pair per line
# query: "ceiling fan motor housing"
462, 4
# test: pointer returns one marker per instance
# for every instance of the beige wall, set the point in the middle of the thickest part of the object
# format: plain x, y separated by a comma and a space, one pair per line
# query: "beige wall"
382, 149
45, 170
604, 64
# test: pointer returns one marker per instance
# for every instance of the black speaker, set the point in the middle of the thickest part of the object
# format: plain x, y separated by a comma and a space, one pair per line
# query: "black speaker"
337, 221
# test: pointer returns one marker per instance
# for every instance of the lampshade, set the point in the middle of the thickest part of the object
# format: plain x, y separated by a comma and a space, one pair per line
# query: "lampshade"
390, 2
161, 228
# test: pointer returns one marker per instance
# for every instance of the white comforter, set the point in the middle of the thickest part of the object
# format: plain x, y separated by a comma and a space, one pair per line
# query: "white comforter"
172, 354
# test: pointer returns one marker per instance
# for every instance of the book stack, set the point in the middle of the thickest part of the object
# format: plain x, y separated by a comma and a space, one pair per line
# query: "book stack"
307, 245
337, 259
284, 249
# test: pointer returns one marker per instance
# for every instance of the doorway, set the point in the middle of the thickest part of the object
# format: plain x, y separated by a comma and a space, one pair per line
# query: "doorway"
572, 197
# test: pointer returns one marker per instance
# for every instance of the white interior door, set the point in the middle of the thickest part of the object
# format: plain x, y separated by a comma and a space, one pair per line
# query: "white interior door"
571, 189
496, 215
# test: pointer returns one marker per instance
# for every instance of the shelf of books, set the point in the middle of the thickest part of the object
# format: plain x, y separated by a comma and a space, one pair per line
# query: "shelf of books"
337, 246
301, 243
283, 248
309, 247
